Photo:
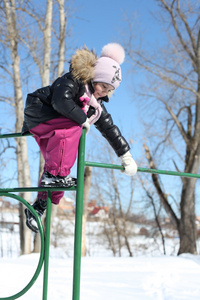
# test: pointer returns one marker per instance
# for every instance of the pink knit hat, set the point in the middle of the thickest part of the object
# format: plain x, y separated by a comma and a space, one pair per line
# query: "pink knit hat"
107, 67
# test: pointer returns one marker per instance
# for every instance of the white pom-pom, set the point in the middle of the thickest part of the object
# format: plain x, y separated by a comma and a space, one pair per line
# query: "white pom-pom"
114, 51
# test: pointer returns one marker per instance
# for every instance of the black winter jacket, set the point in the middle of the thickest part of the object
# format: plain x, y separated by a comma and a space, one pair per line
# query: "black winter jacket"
62, 99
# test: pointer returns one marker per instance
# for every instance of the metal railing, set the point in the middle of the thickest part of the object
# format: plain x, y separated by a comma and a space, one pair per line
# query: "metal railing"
45, 238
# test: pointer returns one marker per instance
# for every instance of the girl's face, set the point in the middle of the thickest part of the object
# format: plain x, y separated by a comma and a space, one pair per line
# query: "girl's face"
102, 89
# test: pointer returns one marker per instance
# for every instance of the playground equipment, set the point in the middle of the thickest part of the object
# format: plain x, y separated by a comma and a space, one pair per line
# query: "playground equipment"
45, 238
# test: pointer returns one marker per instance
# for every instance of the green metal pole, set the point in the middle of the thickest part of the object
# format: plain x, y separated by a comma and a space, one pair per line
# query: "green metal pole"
144, 170
47, 242
78, 218
40, 263
11, 135
165, 172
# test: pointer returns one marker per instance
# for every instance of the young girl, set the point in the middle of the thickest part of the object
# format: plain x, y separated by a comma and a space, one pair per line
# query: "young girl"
56, 114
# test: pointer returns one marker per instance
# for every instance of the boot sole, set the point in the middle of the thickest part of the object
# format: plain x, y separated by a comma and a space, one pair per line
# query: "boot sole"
57, 185
33, 228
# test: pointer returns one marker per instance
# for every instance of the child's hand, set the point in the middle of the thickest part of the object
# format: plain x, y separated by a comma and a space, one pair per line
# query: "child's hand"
129, 164
86, 125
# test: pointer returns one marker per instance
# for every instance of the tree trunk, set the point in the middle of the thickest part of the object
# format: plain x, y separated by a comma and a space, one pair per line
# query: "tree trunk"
61, 50
45, 74
47, 44
43, 63
162, 195
45, 77
187, 227
175, 83
87, 184
22, 157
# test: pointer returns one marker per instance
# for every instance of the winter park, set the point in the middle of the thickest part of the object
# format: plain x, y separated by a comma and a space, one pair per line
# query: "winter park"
100, 150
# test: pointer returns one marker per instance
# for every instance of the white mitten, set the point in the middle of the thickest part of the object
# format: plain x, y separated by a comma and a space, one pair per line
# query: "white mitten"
129, 164
86, 125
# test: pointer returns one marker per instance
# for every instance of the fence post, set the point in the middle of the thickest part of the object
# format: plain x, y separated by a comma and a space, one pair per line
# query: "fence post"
78, 218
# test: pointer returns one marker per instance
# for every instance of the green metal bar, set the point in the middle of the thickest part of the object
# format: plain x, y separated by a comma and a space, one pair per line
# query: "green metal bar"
47, 243
145, 170
103, 165
117, 167
40, 263
36, 189
11, 135
78, 218
79, 210
173, 173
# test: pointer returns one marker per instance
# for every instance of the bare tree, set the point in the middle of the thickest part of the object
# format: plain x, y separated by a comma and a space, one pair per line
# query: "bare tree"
116, 191
156, 215
174, 90
10, 39
23, 27
44, 61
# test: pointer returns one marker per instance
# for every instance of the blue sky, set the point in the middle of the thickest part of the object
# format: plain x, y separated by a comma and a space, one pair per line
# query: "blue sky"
96, 23
99, 22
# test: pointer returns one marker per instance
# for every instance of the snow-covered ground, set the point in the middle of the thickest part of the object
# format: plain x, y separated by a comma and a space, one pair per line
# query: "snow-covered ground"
138, 278
148, 275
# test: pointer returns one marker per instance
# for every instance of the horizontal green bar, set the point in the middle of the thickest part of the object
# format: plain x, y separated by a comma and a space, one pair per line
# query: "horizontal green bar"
36, 189
145, 170
173, 173
10, 135
102, 165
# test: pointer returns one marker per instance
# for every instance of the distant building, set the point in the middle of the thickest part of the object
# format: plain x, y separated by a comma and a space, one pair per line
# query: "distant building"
99, 212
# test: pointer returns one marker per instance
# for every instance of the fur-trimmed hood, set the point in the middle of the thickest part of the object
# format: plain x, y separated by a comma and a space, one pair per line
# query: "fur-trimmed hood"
82, 64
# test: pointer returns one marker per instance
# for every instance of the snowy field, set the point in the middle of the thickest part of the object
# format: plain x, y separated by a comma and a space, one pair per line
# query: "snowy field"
137, 278
148, 275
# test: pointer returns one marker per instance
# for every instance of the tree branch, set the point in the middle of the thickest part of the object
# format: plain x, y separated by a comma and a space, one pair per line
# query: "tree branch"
177, 122
161, 194
173, 18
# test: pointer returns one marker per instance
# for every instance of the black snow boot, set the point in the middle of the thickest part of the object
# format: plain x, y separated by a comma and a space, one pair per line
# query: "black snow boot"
40, 207
49, 180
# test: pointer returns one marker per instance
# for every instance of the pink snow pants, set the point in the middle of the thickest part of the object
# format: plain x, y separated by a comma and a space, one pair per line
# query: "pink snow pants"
58, 140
